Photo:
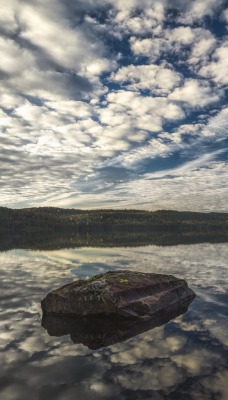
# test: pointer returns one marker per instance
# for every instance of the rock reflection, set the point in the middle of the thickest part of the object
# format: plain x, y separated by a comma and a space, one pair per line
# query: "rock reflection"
98, 332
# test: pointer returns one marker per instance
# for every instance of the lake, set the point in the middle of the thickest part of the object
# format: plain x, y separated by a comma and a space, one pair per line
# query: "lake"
187, 358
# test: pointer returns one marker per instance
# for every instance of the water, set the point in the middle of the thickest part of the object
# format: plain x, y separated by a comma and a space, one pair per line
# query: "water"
183, 359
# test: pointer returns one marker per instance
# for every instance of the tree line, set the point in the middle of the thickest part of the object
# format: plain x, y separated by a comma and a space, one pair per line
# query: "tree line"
50, 227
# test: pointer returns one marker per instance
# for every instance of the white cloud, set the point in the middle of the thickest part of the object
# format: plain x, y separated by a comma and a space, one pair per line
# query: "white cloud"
77, 109
62, 118
152, 77
194, 93
55, 60
148, 20
194, 130
198, 9
194, 44
38, 116
132, 4
217, 125
145, 112
68, 47
4, 119
201, 50
197, 190
139, 105
151, 48
10, 100
10, 52
217, 69
8, 20
200, 43
183, 34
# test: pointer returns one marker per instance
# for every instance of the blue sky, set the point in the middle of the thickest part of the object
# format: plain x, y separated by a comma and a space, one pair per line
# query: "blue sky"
114, 104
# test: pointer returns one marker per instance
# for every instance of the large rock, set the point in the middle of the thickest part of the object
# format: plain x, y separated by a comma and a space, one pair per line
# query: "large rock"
121, 293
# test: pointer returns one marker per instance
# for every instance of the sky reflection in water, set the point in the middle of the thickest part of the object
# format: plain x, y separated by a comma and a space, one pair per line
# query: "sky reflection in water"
186, 358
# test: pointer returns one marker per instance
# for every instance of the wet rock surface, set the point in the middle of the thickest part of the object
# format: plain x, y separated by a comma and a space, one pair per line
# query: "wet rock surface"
98, 332
121, 294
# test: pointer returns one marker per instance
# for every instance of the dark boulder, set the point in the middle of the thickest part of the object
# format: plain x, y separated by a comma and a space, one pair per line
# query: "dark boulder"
120, 293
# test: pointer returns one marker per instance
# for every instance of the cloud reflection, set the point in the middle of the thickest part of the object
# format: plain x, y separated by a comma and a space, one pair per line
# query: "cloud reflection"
187, 355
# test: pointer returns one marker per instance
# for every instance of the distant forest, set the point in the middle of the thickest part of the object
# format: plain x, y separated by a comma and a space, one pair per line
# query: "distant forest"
52, 228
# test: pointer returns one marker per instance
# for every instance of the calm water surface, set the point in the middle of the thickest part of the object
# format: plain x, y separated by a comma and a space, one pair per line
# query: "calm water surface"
185, 359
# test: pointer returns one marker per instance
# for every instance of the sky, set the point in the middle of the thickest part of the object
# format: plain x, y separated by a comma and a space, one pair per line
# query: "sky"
114, 104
